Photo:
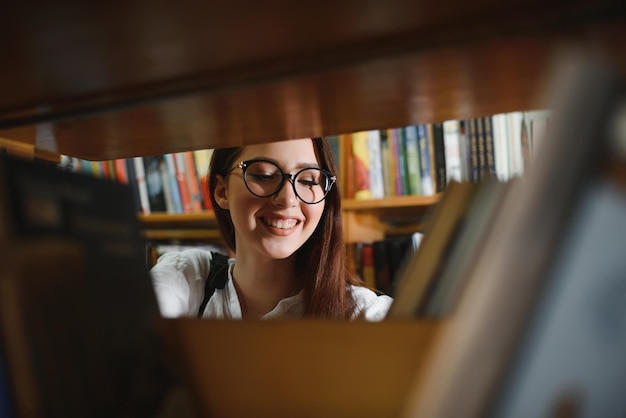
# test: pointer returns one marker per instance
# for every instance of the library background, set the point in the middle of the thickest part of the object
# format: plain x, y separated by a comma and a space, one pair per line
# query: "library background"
480, 158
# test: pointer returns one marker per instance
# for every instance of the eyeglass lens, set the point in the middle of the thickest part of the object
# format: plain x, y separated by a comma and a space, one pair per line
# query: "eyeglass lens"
264, 178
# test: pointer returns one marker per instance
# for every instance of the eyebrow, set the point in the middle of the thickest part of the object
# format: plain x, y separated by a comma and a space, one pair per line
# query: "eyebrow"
299, 166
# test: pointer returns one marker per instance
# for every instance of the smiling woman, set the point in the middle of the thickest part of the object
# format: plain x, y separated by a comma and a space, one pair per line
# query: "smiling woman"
279, 210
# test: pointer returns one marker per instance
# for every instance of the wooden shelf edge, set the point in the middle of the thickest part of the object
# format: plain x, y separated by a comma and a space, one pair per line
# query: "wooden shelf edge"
177, 218
181, 234
390, 202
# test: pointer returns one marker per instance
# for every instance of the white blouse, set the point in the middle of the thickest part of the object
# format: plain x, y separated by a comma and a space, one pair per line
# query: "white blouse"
178, 279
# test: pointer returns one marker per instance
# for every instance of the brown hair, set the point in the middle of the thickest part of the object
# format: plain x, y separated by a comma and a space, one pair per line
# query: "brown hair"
322, 258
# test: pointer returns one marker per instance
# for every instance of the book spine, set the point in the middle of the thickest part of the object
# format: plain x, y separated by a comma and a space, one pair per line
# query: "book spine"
367, 260
192, 182
489, 147
167, 190
439, 156
501, 146
385, 156
361, 166
452, 144
474, 149
154, 183
377, 182
348, 163
121, 172
428, 188
202, 159
397, 161
412, 160
173, 181
140, 178
181, 178
132, 182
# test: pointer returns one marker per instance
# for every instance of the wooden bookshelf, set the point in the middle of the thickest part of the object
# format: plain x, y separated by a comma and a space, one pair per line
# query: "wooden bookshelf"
132, 79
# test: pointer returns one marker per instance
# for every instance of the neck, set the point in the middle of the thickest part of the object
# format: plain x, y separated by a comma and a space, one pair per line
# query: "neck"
262, 283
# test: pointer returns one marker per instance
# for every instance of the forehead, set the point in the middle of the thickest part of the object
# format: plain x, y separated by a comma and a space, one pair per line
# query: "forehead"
288, 153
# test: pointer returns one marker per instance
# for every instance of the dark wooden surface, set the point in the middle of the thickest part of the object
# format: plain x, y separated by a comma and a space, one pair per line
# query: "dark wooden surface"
136, 78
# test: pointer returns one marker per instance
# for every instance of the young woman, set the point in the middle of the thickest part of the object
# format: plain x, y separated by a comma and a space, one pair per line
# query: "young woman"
279, 210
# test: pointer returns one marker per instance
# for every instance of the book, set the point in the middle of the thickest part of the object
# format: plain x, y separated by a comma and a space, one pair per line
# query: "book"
414, 175
132, 183
501, 146
368, 272
121, 170
154, 183
428, 182
377, 181
506, 351
142, 187
202, 159
453, 155
193, 182
474, 144
439, 150
381, 267
361, 165
386, 154
175, 195
444, 293
181, 178
424, 266
402, 179
78, 314
490, 157
347, 164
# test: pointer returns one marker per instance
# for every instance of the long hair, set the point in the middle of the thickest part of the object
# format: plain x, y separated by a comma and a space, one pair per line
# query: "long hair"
322, 258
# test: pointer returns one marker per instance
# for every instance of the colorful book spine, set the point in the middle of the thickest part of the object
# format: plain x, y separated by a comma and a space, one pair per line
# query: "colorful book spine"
474, 149
398, 161
181, 178
170, 164
361, 166
413, 160
140, 178
490, 158
121, 171
428, 188
192, 182
377, 182
386, 159
154, 183
202, 160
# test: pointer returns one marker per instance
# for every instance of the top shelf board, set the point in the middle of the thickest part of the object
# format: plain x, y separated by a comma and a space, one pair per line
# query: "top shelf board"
142, 78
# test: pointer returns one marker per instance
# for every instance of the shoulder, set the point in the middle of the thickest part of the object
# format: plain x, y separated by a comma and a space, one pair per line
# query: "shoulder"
369, 305
188, 261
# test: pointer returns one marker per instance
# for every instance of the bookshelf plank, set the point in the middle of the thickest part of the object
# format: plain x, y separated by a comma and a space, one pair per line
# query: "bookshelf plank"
354, 369
173, 84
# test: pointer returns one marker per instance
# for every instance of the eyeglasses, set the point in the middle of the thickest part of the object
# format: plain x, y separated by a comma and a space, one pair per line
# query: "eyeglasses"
264, 178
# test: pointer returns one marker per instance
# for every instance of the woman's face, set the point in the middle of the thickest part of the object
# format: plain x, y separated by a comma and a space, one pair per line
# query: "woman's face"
278, 225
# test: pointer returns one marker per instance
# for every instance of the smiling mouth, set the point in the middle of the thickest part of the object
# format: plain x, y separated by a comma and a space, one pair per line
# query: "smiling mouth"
280, 223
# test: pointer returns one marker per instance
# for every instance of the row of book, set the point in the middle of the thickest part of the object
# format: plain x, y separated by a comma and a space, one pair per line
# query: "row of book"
379, 262
171, 183
422, 159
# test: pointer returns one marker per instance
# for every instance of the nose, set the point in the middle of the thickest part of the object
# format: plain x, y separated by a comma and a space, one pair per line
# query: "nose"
286, 195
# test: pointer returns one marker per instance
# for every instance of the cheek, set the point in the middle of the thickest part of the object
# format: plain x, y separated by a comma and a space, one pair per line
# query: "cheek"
314, 213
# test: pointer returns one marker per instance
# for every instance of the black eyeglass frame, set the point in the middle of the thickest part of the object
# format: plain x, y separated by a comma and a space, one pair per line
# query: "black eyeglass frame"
285, 176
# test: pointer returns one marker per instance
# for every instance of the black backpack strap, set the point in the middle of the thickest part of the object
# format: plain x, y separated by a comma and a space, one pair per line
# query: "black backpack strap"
218, 276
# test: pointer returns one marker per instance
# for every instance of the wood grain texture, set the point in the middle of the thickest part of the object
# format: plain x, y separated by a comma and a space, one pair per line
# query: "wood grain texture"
138, 78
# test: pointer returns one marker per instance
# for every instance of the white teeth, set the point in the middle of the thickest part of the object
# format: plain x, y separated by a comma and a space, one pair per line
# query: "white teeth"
281, 223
